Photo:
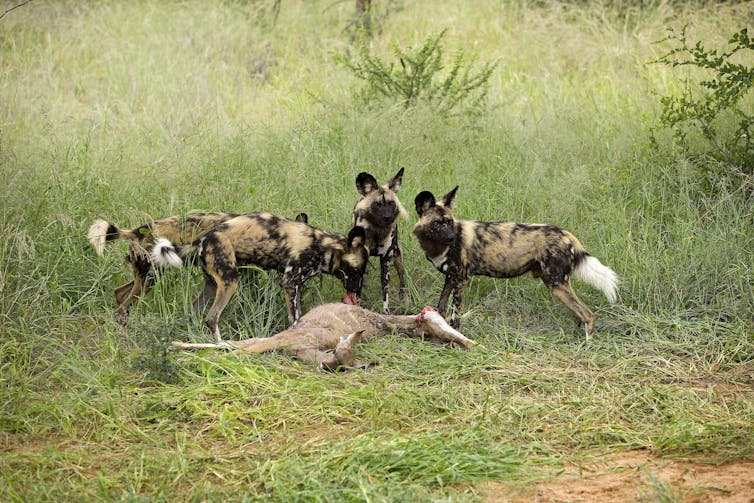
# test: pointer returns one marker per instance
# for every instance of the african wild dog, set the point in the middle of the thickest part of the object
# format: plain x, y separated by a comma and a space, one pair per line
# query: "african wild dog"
327, 334
464, 248
179, 229
377, 211
293, 248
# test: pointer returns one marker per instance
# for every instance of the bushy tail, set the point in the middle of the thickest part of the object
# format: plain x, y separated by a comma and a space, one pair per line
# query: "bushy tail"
590, 270
102, 232
166, 254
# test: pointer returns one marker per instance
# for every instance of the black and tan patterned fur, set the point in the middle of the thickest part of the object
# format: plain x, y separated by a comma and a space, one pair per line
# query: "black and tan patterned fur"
180, 229
295, 249
464, 248
377, 212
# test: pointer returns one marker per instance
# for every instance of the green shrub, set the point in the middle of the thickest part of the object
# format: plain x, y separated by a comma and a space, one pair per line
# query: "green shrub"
418, 76
714, 113
157, 358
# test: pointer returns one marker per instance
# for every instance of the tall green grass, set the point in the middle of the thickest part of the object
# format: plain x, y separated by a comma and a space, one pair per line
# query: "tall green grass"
132, 110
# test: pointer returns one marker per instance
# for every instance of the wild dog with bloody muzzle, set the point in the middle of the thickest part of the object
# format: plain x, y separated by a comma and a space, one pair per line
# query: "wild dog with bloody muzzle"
464, 248
377, 212
295, 249
179, 229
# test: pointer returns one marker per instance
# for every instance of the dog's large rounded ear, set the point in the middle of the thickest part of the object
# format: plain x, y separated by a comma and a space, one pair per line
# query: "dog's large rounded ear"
357, 237
302, 217
365, 183
424, 201
449, 199
395, 183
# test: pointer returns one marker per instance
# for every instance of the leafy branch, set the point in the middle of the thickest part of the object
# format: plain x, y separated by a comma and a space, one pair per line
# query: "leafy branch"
706, 105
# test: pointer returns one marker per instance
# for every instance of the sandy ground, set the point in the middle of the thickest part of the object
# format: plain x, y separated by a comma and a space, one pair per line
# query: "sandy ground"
636, 476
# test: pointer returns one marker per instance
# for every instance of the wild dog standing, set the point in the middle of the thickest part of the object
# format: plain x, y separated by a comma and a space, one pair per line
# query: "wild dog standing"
179, 229
295, 249
463, 248
377, 211
327, 334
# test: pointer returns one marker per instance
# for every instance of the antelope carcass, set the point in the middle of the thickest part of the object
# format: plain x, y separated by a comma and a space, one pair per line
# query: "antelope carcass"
327, 334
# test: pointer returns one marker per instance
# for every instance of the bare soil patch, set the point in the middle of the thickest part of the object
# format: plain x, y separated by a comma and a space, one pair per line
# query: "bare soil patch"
636, 476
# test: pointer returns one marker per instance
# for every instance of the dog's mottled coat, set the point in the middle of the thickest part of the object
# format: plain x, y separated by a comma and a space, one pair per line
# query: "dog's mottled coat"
295, 249
377, 212
179, 229
464, 248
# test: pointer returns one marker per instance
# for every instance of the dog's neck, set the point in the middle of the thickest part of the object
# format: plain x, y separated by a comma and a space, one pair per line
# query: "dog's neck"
330, 262
436, 252
439, 260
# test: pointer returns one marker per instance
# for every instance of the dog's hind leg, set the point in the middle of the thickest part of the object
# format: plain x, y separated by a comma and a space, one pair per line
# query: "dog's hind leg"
219, 262
141, 264
224, 292
567, 296
209, 292
127, 294
122, 292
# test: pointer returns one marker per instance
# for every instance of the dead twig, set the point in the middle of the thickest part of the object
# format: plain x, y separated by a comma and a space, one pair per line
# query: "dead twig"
14, 8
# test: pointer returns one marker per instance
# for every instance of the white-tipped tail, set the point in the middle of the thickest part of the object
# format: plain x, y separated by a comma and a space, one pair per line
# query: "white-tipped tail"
165, 254
592, 271
444, 330
97, 234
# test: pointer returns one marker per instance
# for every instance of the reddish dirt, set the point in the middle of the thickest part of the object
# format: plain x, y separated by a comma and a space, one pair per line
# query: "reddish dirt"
636, 476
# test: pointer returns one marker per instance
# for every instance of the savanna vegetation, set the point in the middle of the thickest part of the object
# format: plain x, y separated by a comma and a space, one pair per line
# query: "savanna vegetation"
592, 116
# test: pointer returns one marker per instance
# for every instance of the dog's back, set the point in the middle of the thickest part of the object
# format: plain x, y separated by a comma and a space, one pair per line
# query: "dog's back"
509, 249
271, 241
179, 229
464, 248
183, 228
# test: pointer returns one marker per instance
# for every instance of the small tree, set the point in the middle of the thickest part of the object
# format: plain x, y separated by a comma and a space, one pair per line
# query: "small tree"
418, 75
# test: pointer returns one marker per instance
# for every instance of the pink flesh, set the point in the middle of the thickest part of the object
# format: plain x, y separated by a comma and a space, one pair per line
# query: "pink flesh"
350, 298
420, 316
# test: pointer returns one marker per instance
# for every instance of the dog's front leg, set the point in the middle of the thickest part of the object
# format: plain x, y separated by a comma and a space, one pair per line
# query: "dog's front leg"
458, 294
292, 285
385, 263
401, 272
442, 304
